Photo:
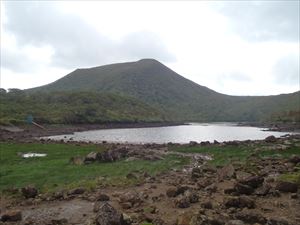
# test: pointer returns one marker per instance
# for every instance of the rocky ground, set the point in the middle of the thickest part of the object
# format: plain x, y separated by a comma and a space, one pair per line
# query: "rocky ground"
199, 194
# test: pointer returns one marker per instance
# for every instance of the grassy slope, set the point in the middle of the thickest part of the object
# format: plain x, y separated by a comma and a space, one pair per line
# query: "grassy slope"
79, 107
55, 172
224, 155
157, 85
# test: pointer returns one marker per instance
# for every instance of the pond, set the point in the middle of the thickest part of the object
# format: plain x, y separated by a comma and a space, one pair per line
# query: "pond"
176, 134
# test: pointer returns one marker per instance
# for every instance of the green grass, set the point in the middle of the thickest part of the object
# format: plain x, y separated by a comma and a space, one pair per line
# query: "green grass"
221, 155
291, 177
280, 153
54, 171
224, 155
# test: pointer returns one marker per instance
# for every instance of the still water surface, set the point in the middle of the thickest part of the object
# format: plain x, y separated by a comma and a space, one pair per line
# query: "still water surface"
176, 134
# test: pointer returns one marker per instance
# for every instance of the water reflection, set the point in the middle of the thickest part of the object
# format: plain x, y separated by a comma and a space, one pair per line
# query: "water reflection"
177, 134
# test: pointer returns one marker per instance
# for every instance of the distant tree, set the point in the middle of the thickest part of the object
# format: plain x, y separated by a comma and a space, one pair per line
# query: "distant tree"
3, 91
14, 90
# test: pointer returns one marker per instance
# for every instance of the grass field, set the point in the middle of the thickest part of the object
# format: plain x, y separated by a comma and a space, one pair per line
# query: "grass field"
54, 171
226, 154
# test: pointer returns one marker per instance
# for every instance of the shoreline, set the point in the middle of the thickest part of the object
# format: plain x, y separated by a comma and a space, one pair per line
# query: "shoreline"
29, 132
274, 126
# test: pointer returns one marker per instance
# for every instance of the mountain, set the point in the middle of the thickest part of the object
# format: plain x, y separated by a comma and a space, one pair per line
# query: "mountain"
154, 84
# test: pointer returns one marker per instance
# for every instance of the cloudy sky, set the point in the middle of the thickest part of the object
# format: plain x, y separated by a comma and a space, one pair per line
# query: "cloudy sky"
236, 48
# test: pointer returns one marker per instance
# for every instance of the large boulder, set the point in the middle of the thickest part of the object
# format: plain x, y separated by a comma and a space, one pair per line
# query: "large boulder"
196, 173
112, 154
91, 157
11, 216
107, 215
130, 199
285, 186
253, 181
294, 159
29, 192
270, 139
226, 172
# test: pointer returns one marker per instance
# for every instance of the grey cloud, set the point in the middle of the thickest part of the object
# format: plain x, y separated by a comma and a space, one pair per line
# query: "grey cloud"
139, 43
235, 76
286, 70
75, 43
9, 59
264, 20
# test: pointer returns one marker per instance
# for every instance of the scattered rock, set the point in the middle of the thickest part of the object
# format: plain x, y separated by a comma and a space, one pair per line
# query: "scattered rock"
243, 189
59, 221
192, 143
239, 202
278, 221
132, 176
77, 160
294, 196
251, 217
196, 173
182, 202
171, 192
263, 190
126, 205
254, 181
76, 191
11, 216
270, 139
285, 186
207, 205
184, 218
112, 154
211, 188
130, 197
192, 196
241, 175
29, 192
107, 215
235, 222
102, 197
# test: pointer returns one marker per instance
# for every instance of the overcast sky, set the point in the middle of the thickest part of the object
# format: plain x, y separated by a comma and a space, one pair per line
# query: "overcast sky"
236, 48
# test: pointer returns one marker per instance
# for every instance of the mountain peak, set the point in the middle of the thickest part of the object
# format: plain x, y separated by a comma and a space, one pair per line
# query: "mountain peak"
148, 60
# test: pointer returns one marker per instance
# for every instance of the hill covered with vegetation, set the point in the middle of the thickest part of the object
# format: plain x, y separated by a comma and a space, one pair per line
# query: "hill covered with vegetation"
74, 108
142, 91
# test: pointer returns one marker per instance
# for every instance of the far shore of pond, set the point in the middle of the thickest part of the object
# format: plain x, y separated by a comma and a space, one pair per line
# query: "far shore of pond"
27, 132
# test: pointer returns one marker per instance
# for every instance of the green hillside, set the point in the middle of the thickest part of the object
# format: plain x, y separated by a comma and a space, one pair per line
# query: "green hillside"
151, 82
74, 108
